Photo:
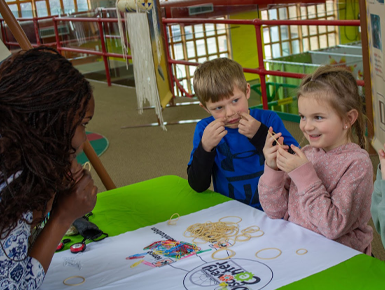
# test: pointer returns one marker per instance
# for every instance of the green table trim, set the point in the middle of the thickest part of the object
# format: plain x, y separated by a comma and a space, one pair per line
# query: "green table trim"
359, 272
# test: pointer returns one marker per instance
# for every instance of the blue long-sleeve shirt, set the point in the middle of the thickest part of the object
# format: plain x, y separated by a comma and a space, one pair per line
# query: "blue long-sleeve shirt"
237, 162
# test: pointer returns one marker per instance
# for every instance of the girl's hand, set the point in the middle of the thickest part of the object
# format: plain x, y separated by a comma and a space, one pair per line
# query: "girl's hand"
288, 162
381, 155
270, 150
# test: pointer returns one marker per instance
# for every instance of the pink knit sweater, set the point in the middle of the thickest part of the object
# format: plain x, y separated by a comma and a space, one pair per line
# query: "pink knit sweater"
329, 195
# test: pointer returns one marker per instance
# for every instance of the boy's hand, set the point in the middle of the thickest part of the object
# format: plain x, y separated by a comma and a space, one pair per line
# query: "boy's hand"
288, 162
248, 126
381, 155
213, 134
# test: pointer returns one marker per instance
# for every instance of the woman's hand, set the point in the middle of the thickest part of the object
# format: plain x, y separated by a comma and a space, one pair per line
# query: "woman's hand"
80, 198
76, 202
288, 162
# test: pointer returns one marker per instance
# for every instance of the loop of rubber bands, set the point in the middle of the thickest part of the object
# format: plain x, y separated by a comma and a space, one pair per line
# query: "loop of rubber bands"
280, 252
87, 166
240, 219
247, 237
250, 229
258, 235
223, 249
297, 252
72, 277
171, 221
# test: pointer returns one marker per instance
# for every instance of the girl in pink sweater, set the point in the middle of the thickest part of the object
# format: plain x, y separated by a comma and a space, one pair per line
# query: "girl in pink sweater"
326, 186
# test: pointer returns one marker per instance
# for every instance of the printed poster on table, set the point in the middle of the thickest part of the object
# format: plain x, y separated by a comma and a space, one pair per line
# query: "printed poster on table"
164, 256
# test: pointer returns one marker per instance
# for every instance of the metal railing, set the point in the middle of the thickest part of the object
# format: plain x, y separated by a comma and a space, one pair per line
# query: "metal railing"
261, 71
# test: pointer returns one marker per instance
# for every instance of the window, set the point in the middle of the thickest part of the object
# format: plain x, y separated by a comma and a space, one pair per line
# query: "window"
196, 43
55, 7
82, 5
41, 8
285, 40
26, 9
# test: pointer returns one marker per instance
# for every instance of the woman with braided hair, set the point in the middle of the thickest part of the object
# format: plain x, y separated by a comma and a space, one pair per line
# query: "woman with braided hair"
45, 105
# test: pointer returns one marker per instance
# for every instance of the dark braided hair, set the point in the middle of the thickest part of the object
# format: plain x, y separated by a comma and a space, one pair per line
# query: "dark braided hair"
337, 86
43, 98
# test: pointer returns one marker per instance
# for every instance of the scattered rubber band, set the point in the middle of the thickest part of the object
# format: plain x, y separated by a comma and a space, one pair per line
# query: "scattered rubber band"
195, 242
72, 277
247, 237
257, 236
250, 230
305, 251
223, 249
173, 222
240, 219
87, 166
280, 252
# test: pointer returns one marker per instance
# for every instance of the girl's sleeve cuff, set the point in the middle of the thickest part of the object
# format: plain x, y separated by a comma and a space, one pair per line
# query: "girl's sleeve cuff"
303, 176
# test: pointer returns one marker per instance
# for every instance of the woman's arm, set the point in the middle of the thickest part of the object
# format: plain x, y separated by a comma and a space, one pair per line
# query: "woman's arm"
69, 206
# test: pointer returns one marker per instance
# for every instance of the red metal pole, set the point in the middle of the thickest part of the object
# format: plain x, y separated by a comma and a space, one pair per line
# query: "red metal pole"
180, 87
36, 28
58, 44
261, 65
262, 22
105, 58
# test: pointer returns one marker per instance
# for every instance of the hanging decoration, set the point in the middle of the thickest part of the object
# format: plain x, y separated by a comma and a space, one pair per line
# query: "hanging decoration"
137, 26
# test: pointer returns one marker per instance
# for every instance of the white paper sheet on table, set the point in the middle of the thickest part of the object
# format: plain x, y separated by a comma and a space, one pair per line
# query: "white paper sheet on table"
104, 265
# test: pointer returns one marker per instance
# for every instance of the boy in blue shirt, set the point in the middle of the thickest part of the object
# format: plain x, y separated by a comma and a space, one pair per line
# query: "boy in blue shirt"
228, 145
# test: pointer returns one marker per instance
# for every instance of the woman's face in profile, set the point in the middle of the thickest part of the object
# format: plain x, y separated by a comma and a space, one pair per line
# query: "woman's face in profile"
80, 133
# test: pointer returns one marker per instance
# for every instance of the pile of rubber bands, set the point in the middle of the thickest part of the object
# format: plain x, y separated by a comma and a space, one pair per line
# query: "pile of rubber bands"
223, 232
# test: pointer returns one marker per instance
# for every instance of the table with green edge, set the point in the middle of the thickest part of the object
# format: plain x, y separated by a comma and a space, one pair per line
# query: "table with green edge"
156, 200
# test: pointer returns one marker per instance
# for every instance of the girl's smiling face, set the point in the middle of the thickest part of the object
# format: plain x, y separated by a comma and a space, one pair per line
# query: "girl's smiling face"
320, 123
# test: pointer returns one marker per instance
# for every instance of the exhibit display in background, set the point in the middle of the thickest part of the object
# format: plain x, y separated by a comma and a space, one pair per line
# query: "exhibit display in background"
143, 25
4, 52
375, 15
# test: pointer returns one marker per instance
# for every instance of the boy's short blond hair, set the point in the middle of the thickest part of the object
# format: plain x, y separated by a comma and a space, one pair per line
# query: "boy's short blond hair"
214, 80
